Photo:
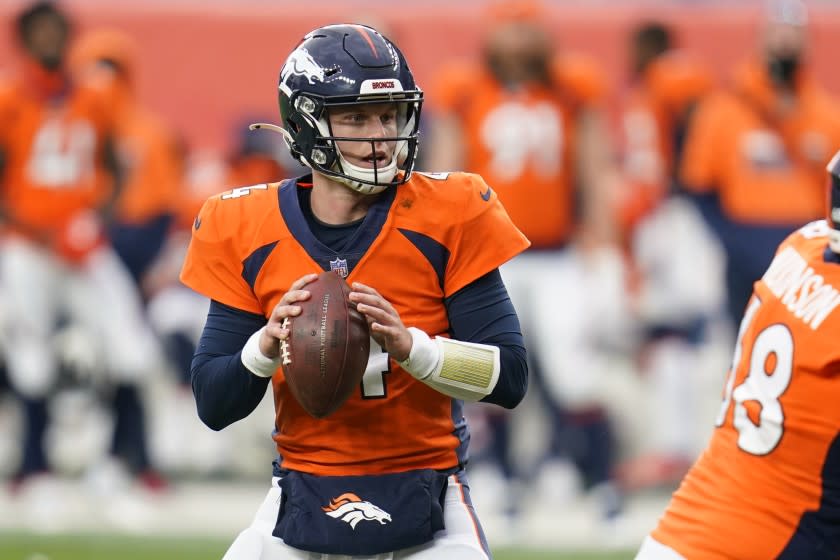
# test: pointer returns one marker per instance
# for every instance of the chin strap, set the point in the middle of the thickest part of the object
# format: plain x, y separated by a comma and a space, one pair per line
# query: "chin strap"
464, 370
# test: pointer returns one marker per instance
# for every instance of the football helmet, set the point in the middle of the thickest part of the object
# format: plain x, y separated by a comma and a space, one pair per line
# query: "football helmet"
340, 66
833, 216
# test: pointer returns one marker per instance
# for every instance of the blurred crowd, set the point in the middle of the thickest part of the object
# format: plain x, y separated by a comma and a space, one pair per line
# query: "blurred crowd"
646, 238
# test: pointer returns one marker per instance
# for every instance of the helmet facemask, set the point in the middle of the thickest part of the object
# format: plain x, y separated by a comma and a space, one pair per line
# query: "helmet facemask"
311, 139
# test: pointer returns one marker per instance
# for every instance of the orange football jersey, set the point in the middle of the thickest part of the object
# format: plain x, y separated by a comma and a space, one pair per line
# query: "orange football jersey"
522, 140
153, 171
655, 113
768, 484
52, 154
146, 145
420, 243
766, 169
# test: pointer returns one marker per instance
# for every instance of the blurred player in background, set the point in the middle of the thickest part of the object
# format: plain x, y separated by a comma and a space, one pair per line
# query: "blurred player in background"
767, 484
383, 473
58, 187
147, 155
145, 146
756, 151
530, 122
677, 281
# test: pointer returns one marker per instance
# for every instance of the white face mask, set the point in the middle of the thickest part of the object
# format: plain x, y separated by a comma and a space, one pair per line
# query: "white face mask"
381, 176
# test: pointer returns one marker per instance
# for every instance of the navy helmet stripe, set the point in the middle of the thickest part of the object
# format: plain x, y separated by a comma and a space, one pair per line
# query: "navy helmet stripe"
363, 32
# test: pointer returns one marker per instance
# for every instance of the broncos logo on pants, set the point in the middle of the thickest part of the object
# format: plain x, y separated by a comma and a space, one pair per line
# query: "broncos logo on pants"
351, 509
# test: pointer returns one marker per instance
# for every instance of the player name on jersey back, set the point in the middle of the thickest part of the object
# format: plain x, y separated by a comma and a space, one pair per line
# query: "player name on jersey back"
803, 292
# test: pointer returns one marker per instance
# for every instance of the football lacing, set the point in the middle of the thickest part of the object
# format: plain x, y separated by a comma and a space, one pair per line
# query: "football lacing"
284, 345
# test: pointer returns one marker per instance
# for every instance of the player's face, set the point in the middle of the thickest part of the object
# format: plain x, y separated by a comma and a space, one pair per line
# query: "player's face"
46, 40
782, 40
371, 120
518, 52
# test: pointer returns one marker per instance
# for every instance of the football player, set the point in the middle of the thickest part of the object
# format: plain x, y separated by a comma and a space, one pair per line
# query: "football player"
755, 152
145, 146
385, 473
58, 184
529, 120
766, 485
678, 277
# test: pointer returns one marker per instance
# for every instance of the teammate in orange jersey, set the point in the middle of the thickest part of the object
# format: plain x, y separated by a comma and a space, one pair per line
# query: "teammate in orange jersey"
145, 146
767, 484
146, 153
756, 152
677, 278
530, 121
666, 85
384, 474
57, 191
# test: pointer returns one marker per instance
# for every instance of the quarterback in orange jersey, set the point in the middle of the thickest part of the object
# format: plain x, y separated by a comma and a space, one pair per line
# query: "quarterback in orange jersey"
384, 474
767, 484
58, 184
529, 120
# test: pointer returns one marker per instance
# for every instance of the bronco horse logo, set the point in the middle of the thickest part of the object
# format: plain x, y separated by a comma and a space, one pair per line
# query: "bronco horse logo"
351, 509
301, 63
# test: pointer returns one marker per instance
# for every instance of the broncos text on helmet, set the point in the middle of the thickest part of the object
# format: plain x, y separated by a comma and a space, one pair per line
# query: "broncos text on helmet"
341, 66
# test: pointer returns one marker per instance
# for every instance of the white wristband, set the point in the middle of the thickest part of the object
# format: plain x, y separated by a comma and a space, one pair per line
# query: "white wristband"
424, 355
255, 361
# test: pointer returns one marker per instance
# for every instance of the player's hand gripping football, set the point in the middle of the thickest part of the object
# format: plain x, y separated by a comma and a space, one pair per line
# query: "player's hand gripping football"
274, 331
385, 325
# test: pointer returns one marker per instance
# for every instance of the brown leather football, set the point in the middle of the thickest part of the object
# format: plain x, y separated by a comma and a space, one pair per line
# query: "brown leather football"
326, 353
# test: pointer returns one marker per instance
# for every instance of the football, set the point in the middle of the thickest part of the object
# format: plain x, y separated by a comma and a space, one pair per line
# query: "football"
326, 353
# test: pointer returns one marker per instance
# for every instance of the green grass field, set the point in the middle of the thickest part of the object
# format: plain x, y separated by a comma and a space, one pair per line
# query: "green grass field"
20, 546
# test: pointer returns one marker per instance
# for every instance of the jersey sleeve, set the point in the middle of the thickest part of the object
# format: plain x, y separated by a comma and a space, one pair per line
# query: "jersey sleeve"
704, 155
213, 264
582, 78
677, 80
485, 240
451, 86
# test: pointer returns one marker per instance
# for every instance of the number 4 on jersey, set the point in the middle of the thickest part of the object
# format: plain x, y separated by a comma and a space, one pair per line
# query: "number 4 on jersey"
770, 367
242, 191
373, 381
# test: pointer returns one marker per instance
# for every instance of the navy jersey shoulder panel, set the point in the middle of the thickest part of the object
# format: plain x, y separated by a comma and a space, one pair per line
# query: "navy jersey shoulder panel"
254, 262
435, 253
356, 246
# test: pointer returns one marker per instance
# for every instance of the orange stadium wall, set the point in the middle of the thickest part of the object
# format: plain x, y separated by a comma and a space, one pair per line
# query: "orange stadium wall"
204, 65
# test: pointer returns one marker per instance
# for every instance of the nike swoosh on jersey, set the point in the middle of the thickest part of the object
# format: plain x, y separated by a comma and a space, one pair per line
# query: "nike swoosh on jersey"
485, 196
197, 222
